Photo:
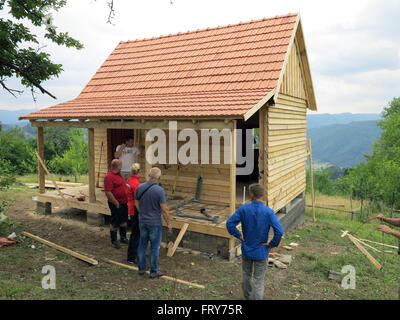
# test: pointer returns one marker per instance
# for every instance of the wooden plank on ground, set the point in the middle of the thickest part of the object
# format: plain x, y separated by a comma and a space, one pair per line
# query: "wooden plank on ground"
365, 252
171, 250
163, 277
382, 244
61, 248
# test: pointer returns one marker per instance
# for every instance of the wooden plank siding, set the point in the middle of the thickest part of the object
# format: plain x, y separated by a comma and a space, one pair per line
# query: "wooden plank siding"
286, 136
100, 135
217, 187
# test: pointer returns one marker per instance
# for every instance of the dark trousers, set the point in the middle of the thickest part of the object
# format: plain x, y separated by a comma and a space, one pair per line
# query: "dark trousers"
135, 236
118, 215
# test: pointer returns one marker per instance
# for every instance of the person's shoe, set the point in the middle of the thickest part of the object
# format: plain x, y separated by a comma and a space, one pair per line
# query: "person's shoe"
132, 262
122, 235
157, 275
115, 244
142, 272
114, 241
124, 240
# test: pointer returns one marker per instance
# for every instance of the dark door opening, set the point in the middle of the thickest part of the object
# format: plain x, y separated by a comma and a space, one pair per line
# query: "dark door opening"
114, 138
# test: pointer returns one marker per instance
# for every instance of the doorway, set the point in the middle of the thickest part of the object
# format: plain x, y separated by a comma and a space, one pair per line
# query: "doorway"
114, 138
243, 181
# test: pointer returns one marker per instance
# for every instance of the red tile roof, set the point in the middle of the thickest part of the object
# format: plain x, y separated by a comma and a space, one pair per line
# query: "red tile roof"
223, 71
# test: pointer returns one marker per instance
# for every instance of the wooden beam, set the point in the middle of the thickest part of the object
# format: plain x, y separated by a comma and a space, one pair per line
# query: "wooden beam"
52, 179
262, 149
365, 252
91, 159
232, 203
171, 250
311, 179
260, 104
60, 248
147, 165
215, 123
40, 147
163, 277
367, 245
381, 244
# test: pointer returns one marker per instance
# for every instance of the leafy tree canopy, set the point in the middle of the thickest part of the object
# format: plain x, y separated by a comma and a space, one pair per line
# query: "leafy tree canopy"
18, 56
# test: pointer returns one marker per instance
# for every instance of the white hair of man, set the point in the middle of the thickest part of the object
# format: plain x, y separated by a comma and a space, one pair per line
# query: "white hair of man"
155, 173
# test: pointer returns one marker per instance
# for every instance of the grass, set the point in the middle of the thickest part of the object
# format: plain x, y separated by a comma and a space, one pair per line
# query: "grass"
326, 238
321, 248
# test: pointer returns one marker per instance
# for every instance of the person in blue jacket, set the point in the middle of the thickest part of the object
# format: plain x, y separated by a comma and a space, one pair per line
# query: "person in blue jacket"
256, 220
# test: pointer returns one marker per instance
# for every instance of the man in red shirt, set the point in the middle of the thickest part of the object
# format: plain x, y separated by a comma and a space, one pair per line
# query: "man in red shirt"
115, 188
132, 183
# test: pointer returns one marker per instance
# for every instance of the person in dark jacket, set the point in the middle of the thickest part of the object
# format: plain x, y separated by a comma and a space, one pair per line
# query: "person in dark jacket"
132, 184
256, 220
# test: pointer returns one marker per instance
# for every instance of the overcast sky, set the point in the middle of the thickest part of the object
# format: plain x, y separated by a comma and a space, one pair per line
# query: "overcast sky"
353, 46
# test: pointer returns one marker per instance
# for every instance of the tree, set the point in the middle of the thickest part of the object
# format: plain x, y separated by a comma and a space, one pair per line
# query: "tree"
17, 56
75, 159
379, 177
17, 151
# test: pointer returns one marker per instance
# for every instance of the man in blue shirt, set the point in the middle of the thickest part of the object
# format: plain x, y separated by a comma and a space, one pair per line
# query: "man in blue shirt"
256, 220
151, 202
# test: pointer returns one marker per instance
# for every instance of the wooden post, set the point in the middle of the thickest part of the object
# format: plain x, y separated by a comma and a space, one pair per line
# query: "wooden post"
146, 163
351, 203
92, 176
391, 209
233, 169
172, 249
261, 152
311, 178
40, 147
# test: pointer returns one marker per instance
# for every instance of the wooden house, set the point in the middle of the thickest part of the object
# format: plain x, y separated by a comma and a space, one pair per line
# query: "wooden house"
252, 75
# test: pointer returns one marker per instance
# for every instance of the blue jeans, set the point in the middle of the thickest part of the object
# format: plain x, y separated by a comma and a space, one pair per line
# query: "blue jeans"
152, 234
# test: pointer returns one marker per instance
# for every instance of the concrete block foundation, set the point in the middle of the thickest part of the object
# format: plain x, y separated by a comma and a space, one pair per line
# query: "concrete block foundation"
95, 219
43, 207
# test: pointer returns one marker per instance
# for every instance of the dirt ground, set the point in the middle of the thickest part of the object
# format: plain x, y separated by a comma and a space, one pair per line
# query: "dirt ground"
21, 265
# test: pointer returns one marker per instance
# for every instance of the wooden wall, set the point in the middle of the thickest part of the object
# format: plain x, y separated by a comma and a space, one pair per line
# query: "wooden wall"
100, 136
216, 177
285, 137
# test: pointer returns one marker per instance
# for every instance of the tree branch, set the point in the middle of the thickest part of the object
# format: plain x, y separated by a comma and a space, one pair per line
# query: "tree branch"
111, 15
28, 77
12, 91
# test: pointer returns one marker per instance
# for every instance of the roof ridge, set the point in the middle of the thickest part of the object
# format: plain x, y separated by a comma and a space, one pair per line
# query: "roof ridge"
210, 28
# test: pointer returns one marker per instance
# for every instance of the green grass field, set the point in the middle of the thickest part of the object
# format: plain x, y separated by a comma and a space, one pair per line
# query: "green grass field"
321, 248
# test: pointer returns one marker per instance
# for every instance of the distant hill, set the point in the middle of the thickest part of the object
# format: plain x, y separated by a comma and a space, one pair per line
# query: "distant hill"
11, 116
326, 119
343, 145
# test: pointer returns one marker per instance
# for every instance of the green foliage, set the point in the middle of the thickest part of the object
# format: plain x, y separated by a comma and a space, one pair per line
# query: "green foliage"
329, 181
379, 177
16, 151
75, 159
7, 176
17, 56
